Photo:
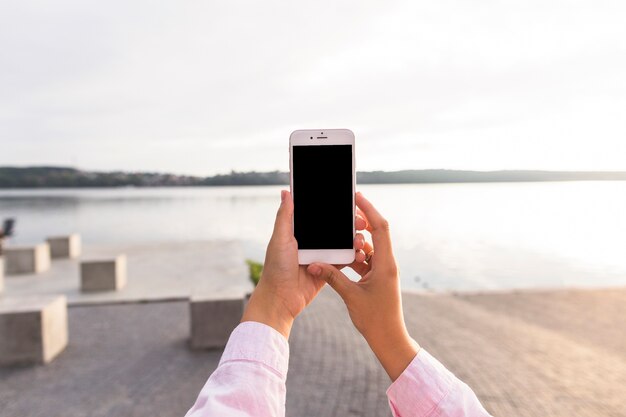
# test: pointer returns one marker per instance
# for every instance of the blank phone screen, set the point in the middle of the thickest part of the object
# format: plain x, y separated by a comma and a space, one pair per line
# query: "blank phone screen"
322, 195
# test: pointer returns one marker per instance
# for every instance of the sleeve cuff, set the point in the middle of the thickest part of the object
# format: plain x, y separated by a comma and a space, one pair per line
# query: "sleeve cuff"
422, 385
258, 342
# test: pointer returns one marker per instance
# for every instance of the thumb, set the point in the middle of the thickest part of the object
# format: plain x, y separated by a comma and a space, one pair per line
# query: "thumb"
284, 217
334, 277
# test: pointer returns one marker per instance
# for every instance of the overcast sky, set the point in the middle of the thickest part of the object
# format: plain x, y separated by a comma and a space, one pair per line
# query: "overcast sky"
202, 87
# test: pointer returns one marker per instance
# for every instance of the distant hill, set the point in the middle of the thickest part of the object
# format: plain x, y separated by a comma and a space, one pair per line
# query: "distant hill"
445, 175
39, 177
56, 177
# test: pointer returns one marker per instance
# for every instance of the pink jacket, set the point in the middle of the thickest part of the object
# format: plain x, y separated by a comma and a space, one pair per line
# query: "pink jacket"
250, 381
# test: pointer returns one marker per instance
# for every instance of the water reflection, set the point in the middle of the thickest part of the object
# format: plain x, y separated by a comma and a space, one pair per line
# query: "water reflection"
446, 236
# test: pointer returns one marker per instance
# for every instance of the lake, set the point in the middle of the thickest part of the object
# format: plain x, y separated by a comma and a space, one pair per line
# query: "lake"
446, 236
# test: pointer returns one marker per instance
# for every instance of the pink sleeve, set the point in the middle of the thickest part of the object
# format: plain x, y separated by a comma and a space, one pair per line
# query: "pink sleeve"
427, 389
250, 378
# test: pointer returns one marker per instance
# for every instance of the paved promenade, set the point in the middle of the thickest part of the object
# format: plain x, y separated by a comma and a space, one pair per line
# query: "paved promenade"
156, 272
549, 353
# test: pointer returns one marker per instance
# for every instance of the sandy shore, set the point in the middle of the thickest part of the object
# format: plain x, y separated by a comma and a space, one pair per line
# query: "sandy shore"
543, 353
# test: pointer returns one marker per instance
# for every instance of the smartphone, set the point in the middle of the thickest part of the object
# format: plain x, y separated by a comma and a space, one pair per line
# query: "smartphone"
322, 186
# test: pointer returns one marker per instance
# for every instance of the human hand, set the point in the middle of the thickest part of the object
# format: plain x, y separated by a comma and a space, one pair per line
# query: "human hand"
285, 287
375, 302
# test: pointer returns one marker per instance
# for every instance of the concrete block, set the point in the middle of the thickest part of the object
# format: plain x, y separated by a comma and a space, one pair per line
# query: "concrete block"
103, 275
65, 246
32, 329
27, 259
213, 318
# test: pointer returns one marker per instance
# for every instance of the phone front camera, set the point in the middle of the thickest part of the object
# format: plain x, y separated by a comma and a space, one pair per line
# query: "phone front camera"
311, 137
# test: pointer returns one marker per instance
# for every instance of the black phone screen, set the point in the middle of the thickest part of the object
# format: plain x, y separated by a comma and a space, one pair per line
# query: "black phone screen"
322, 195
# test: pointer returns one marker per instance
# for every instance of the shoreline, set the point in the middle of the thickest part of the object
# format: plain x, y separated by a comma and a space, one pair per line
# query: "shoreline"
153, 187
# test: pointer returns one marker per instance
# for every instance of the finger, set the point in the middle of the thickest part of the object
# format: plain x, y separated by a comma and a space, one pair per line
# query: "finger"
360, 213
360, 268
333, 277
283, 226
360, 223
377, 226
358, 254
367, 248
359, 241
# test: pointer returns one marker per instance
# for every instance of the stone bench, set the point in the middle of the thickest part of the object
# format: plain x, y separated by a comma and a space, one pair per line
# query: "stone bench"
65, 246
32, 329
213, 318
27, 259
103, 275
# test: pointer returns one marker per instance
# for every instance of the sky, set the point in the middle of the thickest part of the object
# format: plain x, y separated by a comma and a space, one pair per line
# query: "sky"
205, 87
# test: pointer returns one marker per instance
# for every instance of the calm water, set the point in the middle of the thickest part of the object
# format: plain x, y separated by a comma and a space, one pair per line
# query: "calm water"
446, 236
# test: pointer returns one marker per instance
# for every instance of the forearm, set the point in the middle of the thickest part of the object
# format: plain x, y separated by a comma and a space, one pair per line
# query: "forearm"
390, 341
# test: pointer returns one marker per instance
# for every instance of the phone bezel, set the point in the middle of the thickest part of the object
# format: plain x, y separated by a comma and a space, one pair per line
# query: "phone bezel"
331, 137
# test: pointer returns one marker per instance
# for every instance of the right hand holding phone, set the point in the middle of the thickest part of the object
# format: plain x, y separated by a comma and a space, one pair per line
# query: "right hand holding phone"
375, 302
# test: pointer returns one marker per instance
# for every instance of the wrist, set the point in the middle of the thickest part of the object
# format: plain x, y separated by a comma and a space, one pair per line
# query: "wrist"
267, 310
395, 350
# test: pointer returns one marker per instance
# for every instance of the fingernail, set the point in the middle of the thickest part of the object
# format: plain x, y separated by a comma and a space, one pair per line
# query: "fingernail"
315, 270
283, 193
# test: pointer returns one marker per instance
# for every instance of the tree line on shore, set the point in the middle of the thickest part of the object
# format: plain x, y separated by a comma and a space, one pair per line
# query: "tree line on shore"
58, 177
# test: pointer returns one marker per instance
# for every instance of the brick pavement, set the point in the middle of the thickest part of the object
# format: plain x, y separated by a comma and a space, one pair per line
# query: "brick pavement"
564, 350
549, 353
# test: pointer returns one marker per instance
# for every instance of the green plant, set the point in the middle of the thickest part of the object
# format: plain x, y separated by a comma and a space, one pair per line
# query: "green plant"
255, 270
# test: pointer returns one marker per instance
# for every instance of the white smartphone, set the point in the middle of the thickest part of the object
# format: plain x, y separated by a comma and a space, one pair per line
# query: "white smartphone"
322, 186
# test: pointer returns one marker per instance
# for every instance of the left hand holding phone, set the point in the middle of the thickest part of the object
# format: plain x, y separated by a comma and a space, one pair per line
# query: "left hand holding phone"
286, 288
